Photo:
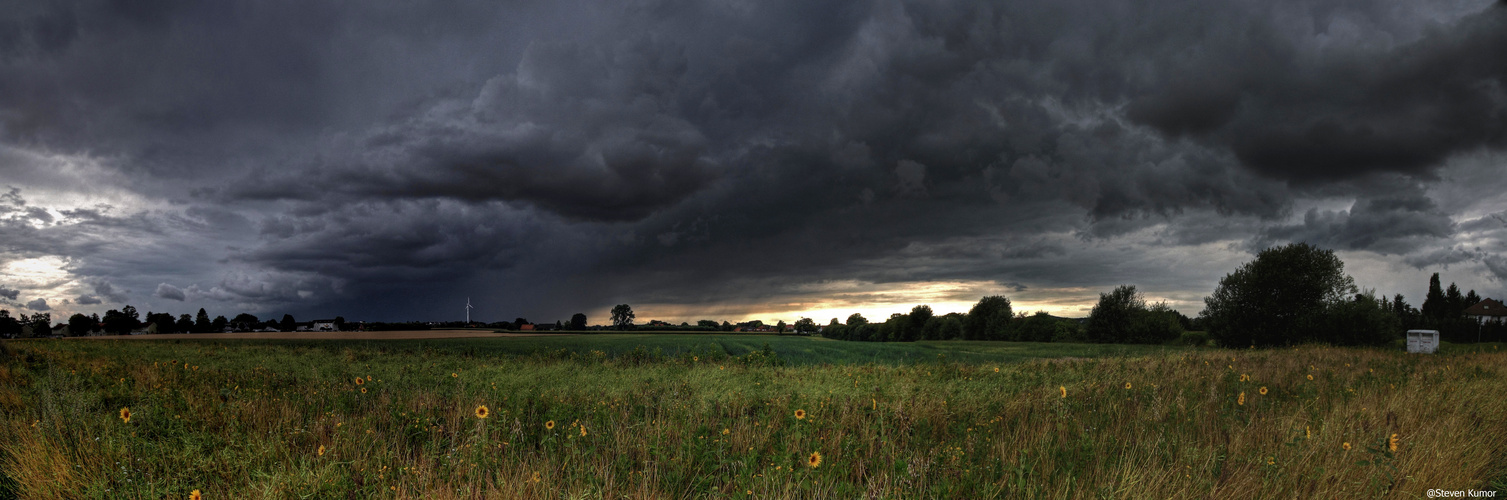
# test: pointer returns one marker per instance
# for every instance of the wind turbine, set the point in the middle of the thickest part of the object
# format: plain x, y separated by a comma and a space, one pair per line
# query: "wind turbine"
468, 310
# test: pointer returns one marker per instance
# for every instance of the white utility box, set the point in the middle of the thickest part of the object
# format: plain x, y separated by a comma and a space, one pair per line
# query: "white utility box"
1423, 341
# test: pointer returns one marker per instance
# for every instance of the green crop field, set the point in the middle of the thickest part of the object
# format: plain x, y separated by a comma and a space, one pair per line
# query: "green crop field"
721, 416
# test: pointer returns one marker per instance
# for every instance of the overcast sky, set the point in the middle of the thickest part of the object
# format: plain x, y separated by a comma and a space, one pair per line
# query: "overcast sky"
734, 159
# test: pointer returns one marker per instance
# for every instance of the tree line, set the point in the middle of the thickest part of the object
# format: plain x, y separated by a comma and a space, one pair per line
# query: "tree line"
127, 319
1290, 294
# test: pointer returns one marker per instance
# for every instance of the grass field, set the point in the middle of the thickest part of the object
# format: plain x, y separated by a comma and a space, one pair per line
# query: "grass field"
664, 416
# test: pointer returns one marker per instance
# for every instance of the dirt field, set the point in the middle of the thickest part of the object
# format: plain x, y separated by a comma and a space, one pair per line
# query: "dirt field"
399, 335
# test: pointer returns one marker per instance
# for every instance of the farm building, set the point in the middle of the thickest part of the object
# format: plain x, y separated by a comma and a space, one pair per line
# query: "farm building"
324, 325
1487, 311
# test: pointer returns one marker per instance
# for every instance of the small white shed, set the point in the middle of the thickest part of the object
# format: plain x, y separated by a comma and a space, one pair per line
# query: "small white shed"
1423, 341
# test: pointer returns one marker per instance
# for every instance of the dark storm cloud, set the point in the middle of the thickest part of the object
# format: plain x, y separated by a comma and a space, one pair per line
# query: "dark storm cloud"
9, 293
1298, 115
39, 304
169, 292
565, 153
1387, 225
87, 300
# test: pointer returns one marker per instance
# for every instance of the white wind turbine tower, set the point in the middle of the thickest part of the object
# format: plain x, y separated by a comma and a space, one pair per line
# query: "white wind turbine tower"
468, 310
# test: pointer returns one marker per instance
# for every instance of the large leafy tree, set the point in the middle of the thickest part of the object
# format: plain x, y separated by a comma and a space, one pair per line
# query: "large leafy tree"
287, 324
988, 319
41, 324
79, 325
1280, 298
245, 321
8, 324
578, 322
120, 322
805, 325
916, 322
622, 316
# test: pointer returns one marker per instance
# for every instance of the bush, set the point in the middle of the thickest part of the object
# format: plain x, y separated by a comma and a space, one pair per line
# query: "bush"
1198, 339
1363, 321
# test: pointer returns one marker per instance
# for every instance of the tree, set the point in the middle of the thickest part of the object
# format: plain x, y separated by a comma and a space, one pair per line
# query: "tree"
1280, 298
287, 324
340, 323
244, 321
578, 321
118, 322
219, 324
1365, 320
185, 324
856, 319
622, 316
988, 319
80, 325
1114, 317
9, 326
201, 322
780, 327
1433, 304
41, 324
164, 321
918, 317
805, 325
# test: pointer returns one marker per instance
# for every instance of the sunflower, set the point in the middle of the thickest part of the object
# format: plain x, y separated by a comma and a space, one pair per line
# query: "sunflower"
321, 450
1310, 376
1263, 390
800, 414
1307, 433
195, 495
454, 375
1392, 442
1345, 445
1063, 389
815, 460
363, 390
482, 411
549, 425
1242, 398
996, 369
125, 415
360, 381
583, 431
1127, 385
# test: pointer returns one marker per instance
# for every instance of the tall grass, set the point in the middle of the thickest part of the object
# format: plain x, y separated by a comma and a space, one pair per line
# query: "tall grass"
248, 421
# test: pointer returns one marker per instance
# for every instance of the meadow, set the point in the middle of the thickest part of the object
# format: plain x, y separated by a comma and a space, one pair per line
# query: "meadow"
667, 416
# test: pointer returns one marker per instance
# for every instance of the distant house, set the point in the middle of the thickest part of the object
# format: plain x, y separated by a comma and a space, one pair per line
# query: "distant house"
1487, 311
526, 326
60, 330
145, 328
324, 325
